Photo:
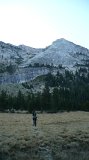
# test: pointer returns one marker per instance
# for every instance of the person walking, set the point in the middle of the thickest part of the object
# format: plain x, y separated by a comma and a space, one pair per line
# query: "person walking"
34, 118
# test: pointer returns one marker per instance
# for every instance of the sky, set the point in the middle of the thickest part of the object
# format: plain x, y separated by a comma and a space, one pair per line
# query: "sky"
37, 23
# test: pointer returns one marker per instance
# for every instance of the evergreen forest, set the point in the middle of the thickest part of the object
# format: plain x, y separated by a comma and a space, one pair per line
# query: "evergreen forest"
66, 91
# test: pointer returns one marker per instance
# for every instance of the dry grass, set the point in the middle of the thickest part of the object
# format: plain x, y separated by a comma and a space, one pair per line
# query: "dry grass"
61, 136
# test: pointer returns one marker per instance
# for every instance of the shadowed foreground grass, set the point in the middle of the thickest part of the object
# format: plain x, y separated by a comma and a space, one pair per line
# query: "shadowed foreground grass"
61, 136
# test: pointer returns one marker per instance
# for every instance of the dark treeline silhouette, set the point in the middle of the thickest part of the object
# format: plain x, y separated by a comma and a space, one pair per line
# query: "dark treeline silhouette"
68, 92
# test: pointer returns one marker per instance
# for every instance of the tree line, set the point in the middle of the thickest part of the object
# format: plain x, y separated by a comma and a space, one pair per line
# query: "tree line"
63, 91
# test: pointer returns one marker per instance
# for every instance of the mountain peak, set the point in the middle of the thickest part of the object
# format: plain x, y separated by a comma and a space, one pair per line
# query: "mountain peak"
61, 41
62, 44
62, 52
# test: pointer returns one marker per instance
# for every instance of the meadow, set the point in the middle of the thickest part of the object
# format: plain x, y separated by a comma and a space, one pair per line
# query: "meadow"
57, 136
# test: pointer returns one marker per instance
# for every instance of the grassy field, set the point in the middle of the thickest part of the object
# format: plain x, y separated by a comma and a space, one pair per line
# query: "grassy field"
61, 136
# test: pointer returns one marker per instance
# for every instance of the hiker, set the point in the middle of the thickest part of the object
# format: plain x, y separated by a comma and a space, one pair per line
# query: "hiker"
34, 118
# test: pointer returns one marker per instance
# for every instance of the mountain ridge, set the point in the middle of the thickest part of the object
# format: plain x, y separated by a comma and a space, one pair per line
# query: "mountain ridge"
20, 64
60, 52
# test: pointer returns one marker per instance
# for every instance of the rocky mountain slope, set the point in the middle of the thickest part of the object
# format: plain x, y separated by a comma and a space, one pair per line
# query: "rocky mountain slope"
59, 52
17, 62
16, 55
62, 52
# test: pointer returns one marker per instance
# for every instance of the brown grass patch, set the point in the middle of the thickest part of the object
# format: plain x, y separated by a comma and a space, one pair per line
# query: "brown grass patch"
57, 136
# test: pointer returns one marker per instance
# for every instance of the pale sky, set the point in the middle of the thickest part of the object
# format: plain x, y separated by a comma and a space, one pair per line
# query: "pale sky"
37, 23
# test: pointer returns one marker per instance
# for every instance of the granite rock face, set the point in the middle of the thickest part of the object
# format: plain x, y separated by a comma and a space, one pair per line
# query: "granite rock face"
17, 62
22, 75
